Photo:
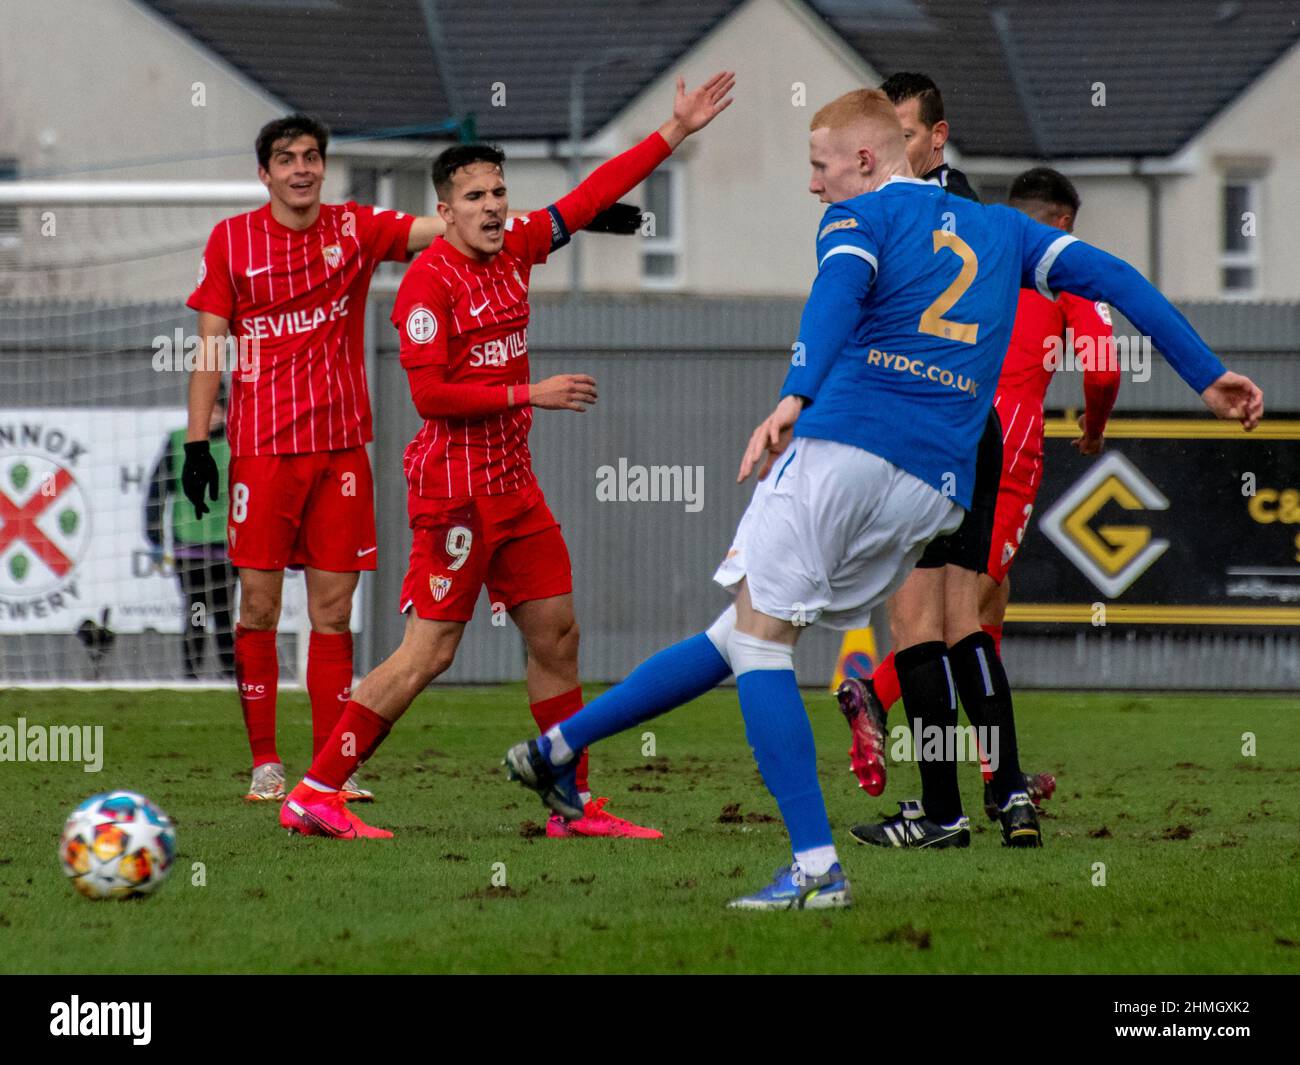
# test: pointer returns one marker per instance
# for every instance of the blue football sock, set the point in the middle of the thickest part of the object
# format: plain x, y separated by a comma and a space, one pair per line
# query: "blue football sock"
674, 676
777, 727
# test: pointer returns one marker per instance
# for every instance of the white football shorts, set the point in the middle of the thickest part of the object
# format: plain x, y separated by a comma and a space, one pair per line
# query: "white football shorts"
832, 533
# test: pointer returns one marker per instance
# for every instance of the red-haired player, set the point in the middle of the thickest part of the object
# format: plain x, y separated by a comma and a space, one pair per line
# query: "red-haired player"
1040, 328
477, 514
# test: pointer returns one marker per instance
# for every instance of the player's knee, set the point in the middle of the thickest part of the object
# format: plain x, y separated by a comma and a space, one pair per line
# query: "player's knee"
897, 630
332, 615
258, 610
422, 670
907, 628
439, 655
568, 641
748, 653
720, 632
425, 673
557, 645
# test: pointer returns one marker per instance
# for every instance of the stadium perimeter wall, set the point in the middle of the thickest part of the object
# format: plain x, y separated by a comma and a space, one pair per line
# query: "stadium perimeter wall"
682, 381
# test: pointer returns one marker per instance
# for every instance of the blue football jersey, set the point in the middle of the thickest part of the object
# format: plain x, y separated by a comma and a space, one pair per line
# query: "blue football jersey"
914, 377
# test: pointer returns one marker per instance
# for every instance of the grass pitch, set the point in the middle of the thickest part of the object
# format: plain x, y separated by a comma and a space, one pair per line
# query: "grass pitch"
1199, 845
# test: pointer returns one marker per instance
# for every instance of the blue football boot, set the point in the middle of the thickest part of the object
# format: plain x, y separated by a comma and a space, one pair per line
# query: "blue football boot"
793, 889
556, 785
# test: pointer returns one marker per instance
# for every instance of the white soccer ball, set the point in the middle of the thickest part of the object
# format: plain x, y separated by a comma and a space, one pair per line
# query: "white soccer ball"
117, 845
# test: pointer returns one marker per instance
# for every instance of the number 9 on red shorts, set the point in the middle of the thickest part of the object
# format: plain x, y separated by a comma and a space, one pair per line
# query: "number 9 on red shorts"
512, 543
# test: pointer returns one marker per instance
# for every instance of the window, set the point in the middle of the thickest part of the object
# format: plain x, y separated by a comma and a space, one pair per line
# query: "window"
363, 184
661, 248
399, 188
1239, 254
412, 188
10, 226
399, 185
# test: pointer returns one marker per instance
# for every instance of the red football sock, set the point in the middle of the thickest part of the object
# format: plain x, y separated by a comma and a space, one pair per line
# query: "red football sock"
329, 682
558, 708
354, 738
257, 672
885, 681
996, 632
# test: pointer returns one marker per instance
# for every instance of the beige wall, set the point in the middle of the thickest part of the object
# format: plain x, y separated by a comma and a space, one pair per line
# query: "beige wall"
87, 84
749, 221
1258, 129
1114, 217
1254, 133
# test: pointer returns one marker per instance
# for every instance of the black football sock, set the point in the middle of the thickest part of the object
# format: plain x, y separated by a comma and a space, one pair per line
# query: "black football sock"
925, 679
986, 695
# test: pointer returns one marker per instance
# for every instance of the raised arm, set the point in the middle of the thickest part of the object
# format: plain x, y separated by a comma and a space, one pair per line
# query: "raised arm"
608, 183
1090, 322
622, 219
1072, 265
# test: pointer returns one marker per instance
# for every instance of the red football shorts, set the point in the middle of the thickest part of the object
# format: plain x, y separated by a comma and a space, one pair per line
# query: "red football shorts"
511, 543
315, 509
1010, 520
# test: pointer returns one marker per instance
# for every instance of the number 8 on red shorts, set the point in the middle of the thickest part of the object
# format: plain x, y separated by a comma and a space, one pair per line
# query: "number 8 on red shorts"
314, 509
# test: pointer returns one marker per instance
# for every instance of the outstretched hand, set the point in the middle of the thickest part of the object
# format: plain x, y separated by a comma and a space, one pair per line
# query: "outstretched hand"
565, 391
623, 219
772, 436
1235, 397
694, 110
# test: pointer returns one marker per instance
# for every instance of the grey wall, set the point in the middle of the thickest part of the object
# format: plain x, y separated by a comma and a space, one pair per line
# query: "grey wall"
676, 389
682, 382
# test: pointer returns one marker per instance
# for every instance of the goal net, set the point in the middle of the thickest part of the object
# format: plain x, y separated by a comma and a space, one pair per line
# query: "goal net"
106, 577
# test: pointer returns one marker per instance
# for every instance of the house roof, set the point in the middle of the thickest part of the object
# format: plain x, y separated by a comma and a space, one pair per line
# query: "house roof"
368, 66
1019, 77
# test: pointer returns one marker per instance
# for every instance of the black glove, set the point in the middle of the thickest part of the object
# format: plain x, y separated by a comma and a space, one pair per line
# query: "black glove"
199, 473
622, 218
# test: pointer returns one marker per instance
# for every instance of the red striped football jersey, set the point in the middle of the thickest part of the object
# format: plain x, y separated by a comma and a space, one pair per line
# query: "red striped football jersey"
298, 298
472, 319
1027, 371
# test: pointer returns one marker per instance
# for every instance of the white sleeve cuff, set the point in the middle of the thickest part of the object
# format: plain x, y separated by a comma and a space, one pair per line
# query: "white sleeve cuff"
849, 249
1049, 258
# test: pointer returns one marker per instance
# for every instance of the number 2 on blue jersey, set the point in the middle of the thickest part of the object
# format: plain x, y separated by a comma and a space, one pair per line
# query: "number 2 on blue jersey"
932, 318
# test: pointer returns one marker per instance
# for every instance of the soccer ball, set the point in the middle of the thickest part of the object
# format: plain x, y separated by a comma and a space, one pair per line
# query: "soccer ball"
117, 845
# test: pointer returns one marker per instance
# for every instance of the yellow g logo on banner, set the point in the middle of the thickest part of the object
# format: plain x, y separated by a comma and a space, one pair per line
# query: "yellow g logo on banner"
1111, 556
